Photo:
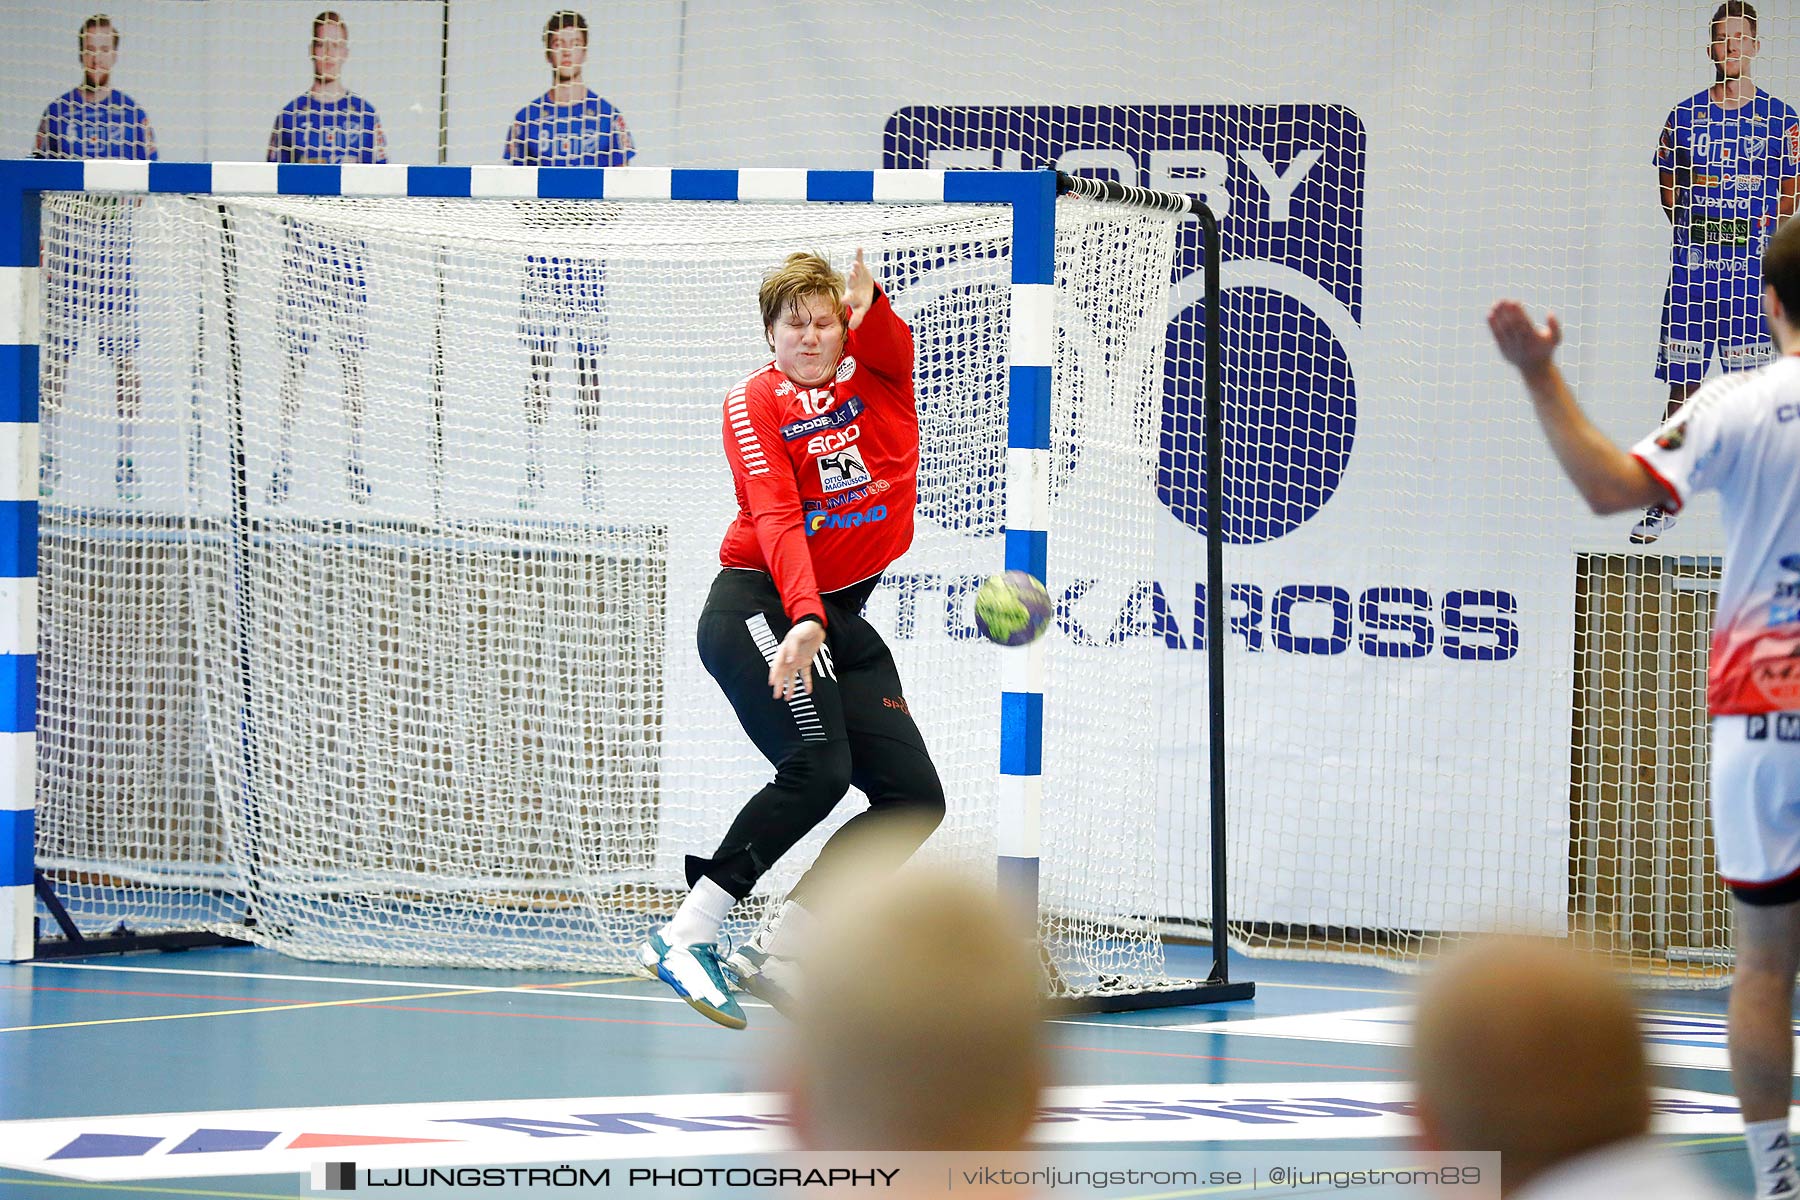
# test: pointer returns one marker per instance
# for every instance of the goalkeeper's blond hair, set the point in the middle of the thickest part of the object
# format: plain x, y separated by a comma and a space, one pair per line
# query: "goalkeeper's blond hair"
800, 275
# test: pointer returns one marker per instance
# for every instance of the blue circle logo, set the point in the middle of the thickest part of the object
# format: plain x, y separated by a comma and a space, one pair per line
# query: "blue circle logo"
1290, 415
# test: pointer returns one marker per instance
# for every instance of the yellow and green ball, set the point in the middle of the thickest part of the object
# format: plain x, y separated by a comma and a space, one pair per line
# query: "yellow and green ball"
1012, 608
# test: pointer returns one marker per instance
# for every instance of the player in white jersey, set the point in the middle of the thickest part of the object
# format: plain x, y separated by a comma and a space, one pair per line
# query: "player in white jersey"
1739, 435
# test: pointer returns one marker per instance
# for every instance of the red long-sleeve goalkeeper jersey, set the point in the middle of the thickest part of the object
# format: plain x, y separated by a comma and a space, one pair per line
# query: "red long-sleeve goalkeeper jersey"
826, 477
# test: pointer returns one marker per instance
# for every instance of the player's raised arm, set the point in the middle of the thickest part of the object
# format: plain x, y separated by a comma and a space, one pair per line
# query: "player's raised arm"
1609, 479
859, 290
878, 338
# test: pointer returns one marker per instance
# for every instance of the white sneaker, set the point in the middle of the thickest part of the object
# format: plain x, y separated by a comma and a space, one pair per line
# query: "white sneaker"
695, 974
771, 978
1656, 522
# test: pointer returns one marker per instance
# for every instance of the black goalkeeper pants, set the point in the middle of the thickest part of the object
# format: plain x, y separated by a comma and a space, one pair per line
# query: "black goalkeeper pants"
853, 729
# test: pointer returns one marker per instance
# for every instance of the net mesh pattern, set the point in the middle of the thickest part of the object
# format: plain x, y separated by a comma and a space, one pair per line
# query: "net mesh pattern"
384, 634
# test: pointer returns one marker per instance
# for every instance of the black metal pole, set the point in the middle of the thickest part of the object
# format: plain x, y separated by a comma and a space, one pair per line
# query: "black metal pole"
242, 545
443, 146
1213, 426
1212, 413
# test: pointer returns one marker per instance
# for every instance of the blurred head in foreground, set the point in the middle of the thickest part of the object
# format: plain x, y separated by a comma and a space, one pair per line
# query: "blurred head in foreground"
919, 1024
1531, 1049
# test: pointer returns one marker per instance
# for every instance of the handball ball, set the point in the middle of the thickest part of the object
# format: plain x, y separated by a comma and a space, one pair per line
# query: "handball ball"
1012, 608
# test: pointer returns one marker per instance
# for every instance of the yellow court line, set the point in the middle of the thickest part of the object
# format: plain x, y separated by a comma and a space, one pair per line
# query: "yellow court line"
269, 1008
139, 1188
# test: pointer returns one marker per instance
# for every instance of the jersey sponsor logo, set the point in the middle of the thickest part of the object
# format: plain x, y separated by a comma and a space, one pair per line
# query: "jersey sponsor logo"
850, 497
1675, 351
843, 470
1742, 358
1756, 727
1784, 607
846, 369
1286, 182
1787, 727
575, 147
837, 418
845, 520
1720, 231
832, 440
1778, 680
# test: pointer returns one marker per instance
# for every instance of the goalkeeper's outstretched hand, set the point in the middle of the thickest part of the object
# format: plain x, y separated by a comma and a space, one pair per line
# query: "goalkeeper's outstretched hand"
791, 670
1525, 345
860, 292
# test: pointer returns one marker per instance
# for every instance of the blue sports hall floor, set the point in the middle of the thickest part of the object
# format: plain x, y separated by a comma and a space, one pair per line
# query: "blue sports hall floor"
232, 1072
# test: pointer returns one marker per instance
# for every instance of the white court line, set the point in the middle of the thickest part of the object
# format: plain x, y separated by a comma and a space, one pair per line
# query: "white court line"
530, 991
1325, 987
466, 988
654, 999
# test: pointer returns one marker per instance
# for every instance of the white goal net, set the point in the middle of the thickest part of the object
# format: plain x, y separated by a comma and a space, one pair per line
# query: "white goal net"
384, 636
1456, 701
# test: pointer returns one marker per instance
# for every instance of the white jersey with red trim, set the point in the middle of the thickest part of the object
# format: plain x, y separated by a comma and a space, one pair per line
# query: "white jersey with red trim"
1739, 435
826, 476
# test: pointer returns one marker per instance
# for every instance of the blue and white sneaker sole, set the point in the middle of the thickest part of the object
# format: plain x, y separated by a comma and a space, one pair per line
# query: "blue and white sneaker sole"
653, 962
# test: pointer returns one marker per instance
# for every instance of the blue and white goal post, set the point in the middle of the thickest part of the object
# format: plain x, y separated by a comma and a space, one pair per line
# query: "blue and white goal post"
1031, 467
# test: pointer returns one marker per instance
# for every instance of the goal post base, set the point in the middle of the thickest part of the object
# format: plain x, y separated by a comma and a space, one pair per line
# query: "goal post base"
75, 944
126, 942
1203, 992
